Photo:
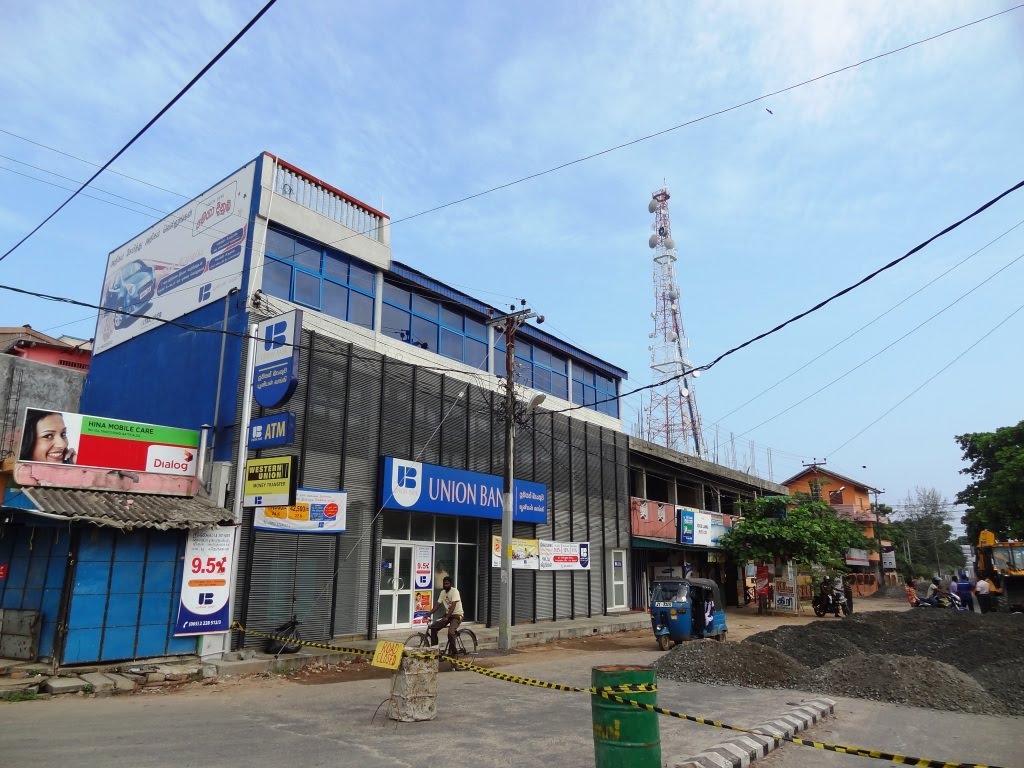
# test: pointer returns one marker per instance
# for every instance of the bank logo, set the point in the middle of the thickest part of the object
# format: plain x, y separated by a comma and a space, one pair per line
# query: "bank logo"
276, 336
584, 555
406, 481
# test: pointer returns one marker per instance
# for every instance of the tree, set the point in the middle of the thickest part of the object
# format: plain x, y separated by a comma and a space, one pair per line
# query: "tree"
795, 528
922, 536
996, 493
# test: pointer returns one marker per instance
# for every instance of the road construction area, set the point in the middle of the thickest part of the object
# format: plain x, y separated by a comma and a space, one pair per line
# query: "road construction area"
327, 717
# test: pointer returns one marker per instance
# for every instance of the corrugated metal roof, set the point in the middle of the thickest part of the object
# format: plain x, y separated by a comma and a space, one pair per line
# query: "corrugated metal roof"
127, 510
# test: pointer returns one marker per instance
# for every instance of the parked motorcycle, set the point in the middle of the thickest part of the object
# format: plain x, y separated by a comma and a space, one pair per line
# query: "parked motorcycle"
830, 599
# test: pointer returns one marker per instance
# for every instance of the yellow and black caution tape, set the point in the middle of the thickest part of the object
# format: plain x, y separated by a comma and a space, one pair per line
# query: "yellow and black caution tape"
610, 692
921, 762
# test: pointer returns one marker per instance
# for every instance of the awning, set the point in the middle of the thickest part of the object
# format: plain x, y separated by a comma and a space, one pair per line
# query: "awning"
123, 510
650, 542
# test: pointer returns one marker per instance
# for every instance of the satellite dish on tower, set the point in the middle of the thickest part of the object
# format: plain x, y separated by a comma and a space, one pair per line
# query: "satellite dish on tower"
653, 242
670, 244
652, 206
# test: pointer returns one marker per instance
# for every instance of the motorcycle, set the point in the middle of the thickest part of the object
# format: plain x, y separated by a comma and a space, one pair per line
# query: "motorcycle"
830, 599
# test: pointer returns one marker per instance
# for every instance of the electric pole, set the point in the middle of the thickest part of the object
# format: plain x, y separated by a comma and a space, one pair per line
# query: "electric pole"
509, 324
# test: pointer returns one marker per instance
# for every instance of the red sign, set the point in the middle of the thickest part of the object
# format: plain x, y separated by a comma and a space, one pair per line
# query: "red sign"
761, 579
4, 568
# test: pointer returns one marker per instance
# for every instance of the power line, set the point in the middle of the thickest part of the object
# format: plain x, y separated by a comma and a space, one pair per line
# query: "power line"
887, 347
89, 162
875, 319
147, 126
944, 368
820, 304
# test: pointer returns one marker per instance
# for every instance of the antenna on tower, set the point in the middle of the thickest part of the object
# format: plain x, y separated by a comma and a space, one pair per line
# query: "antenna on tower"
671, 416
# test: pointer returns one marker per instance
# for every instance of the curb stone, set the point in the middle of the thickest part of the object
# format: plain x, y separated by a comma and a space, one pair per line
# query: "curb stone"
740, 751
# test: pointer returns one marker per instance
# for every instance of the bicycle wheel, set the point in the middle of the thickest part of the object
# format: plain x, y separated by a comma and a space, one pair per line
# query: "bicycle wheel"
419, 640
465, 646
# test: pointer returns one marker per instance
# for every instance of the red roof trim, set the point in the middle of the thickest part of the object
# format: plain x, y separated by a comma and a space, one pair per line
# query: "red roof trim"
325, 185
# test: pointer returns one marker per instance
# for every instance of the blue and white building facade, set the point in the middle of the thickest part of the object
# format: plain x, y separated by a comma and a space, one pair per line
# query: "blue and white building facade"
398, 404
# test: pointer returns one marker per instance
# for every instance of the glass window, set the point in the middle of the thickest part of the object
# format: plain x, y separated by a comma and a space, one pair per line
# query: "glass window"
424, 332
445, 527
476, 353
542, 357
307, 255
524, 351
279, 244
451, 318
451, 344
468, 529
335, 300
395, 524
336, 266
361, 278
422, 527
395, 323
360, 309
277, 279
395, 295
499, 362
524, 374
476, 328
424, 306
542, 379
560, 386
307, 289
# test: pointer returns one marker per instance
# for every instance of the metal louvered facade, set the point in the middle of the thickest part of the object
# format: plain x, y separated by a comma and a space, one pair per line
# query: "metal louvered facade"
353, 407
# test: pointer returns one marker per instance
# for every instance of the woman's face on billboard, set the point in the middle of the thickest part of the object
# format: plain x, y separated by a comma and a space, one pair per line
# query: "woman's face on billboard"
51, 439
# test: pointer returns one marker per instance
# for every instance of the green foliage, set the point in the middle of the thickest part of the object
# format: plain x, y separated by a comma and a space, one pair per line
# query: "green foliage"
25, 695
793, 528
922, 537
996, 493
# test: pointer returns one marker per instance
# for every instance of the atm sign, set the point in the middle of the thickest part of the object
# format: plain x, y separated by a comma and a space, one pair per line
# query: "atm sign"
271, 431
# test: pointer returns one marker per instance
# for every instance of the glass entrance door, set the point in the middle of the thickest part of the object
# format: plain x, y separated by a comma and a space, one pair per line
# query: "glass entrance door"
395, 602
617, 597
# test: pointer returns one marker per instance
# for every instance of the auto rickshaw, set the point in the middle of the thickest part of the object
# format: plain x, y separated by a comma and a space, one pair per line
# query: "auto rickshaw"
682, 609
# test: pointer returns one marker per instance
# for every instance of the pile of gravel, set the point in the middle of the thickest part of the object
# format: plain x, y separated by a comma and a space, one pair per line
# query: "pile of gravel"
917, 682
714, 663
937, 658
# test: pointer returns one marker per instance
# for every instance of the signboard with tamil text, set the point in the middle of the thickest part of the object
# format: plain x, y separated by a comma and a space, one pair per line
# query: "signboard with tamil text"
313, 512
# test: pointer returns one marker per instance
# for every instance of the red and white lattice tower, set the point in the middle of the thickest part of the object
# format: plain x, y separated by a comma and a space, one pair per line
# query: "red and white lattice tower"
670, 417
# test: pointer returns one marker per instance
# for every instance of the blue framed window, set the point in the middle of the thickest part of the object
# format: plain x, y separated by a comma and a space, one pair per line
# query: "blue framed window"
428, 323
536, 367
317, 277
590, 387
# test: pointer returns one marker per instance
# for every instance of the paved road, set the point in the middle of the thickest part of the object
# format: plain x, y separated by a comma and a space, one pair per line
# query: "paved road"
482, 722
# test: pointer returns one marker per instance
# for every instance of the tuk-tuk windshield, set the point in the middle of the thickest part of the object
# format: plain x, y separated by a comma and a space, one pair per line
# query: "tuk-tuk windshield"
670, 592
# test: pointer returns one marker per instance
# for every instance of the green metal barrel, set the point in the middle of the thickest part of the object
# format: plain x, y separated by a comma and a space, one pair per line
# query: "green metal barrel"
624, 736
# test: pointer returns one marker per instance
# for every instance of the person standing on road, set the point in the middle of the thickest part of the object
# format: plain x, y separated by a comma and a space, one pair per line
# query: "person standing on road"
965, 590
981, 589
848, 593
451, 601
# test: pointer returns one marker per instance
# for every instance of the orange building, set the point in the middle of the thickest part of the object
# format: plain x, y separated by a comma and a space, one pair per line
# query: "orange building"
851, 499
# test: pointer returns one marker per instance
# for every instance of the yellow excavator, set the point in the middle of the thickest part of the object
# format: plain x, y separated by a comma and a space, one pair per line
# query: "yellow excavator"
1001, 563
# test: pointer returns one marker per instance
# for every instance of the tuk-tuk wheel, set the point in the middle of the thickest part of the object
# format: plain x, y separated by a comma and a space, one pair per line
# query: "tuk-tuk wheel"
720, 637
663, 642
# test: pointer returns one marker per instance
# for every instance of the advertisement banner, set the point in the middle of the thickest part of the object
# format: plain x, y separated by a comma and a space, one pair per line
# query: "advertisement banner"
187, 260
270, 482
271, 431
314, 511
205, 585
566, 556
58, 437
857, 557
525, 553
785, 599
761, 580
686, 522
889, 559
421, 608
446, 491
276, 371
423, 583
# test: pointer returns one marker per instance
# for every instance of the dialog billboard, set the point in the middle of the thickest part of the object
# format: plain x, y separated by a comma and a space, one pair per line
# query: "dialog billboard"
58, 437
191, 258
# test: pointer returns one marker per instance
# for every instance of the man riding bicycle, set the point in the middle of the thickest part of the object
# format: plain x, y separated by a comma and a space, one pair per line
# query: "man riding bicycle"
450, 600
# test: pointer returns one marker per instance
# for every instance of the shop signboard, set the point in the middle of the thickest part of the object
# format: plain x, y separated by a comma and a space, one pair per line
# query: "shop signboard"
761, 580
270, 482
857, 557
686, 524
441, 490
314, 511
59, 437
271, 431
700, 528
189, 259
785, 599
276, 371
203, 607
889, 558
566, 556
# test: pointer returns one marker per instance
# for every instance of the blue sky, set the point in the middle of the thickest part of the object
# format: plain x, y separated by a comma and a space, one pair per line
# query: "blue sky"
411, 105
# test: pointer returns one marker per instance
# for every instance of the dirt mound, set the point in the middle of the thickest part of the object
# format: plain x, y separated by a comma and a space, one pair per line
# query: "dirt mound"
714, 663
810, 645
925, 657
917, 682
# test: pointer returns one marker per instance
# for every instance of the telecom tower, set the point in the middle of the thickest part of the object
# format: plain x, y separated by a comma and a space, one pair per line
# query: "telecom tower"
670, 417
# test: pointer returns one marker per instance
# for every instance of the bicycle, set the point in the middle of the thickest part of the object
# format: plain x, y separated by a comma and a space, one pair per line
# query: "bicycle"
464, 650
292, 640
